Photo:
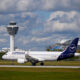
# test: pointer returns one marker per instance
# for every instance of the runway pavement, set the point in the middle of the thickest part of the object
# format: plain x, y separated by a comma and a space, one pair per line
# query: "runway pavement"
22, 66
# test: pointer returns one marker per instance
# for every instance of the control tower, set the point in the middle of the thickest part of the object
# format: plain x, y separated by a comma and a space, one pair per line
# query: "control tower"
12, 31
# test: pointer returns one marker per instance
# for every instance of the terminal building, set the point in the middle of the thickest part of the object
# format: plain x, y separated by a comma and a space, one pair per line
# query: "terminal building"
61, 46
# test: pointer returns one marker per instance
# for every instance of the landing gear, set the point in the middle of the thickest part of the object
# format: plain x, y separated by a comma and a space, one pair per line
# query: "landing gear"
41, 63
33, 64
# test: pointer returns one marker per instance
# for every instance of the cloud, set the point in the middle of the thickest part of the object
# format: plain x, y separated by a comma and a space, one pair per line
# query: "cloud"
40, 43
63, 21
36, 33
2, 29
7, 6
38, 30
6, 18
22, 19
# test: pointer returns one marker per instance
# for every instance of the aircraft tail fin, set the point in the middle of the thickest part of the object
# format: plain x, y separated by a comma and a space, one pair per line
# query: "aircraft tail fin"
70, 51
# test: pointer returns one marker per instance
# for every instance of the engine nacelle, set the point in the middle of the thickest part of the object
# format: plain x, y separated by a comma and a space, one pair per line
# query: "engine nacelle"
21, 61
77, 54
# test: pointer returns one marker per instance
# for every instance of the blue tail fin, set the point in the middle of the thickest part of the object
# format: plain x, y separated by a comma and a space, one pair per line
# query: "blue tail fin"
71, 49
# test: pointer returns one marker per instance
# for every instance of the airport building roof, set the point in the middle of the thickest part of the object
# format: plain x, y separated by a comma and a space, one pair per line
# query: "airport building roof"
62, 45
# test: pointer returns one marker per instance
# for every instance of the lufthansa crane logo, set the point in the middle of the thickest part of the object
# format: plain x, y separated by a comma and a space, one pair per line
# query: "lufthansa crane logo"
72, 48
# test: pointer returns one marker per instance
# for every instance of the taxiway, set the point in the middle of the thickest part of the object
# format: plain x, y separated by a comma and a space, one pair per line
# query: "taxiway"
24, 66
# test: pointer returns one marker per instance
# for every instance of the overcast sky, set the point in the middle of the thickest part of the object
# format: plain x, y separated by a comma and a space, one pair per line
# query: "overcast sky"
41, 22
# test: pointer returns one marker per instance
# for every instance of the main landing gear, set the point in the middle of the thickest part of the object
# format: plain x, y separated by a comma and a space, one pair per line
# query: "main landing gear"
34, 64
41, 63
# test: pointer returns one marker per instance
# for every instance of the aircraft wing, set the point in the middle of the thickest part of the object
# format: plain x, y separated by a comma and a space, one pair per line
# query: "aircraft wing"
39, 59
33, 58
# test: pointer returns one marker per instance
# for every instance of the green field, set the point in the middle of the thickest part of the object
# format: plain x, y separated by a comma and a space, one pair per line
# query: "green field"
39, 74
51, 63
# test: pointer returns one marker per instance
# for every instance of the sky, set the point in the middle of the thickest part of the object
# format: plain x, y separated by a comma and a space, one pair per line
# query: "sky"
41, 22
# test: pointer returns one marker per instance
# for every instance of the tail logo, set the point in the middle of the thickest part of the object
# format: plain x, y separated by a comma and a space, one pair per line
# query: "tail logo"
72, 48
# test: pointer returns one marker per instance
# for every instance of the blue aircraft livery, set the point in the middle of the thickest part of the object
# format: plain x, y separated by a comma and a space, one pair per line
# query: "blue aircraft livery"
69, 52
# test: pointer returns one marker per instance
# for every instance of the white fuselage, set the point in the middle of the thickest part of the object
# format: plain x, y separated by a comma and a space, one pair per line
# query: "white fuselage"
14, 55
40, 55
36, 54
47, 56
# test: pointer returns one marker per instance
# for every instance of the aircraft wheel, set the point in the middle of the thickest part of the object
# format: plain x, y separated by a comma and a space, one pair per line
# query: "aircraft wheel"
41, 63
33, 64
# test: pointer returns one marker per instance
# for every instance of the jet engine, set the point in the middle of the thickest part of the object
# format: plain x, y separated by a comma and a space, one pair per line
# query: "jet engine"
21, 61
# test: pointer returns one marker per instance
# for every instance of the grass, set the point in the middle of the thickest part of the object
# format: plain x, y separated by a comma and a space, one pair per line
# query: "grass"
55, 63
39, 74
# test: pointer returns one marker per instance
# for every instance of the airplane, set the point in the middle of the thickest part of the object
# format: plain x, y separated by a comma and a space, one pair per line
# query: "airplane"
41, 56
